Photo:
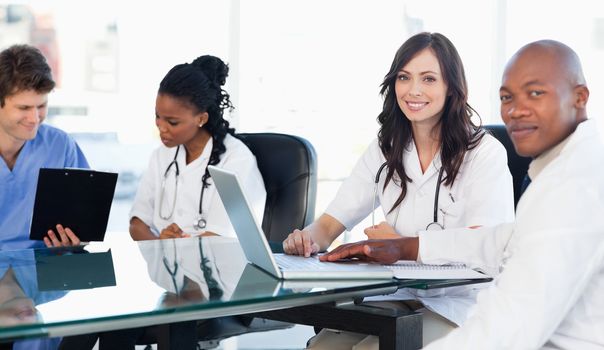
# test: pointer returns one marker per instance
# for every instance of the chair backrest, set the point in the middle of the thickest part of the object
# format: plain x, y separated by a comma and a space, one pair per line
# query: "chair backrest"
288, 165
517, 164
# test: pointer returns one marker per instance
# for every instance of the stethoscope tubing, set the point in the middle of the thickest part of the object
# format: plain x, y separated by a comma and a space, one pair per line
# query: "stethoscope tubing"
200, 223
163, 187
436, 194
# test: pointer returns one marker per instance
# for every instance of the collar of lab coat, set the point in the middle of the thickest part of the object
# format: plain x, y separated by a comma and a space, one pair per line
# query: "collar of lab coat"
584, 129
414, 169
203, 159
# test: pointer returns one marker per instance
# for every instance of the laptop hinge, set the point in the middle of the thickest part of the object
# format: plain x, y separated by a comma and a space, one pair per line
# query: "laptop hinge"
344, 302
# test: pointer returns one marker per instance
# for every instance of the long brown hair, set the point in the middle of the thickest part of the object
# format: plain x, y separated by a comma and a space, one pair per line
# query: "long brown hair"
457, 131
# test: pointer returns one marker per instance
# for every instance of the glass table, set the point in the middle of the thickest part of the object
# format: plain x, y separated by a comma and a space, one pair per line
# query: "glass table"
119, 284
122, 284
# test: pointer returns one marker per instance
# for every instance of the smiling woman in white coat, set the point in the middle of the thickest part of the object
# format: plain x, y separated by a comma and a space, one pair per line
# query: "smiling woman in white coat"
430, 168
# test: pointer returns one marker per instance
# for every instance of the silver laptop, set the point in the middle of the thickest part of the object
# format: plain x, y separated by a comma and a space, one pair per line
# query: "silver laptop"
258, 252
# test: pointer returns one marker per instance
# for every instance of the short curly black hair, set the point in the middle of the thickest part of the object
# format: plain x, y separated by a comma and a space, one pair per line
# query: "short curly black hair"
199, 84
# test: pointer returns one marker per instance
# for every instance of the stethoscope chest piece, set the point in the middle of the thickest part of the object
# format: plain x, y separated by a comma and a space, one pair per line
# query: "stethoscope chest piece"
200, 224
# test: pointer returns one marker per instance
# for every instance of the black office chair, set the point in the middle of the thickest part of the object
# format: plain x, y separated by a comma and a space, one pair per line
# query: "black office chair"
517, 164
288, 165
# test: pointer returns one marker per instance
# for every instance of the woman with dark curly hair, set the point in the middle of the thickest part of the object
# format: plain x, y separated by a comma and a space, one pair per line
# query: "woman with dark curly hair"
176, 197
430, 168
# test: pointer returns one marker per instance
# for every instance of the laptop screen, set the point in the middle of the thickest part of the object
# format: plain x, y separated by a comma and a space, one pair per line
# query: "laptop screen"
250, 234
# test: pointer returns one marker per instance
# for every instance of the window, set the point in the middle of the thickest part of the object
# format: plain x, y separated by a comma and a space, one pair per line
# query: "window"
311, 68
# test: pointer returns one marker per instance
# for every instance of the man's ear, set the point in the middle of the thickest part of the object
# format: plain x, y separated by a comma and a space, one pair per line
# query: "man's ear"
581, 94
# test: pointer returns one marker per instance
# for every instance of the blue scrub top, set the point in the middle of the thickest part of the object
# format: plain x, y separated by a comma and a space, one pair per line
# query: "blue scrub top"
51, 148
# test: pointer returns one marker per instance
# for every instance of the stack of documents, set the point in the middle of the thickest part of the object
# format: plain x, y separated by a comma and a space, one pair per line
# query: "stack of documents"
407, 269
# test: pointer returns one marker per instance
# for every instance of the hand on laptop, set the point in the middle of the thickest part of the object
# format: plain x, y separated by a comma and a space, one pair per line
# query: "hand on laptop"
172, 231
66, 237
381, 231
300, 242
384, 251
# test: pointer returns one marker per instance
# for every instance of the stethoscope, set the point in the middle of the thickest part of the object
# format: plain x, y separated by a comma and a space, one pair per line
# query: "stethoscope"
434, 225
171, 271
214, 290
200, 223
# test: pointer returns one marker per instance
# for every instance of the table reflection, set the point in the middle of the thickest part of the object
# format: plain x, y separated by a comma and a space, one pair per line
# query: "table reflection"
34, 277
194, 269
73, 268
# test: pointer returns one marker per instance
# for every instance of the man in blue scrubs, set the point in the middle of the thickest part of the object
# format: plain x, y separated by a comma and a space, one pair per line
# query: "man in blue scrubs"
26, 145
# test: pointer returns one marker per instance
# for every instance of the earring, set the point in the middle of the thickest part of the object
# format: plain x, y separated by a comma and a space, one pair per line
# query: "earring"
200, 125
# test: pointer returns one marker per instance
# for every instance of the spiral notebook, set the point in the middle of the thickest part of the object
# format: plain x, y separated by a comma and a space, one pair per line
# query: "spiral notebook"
407, 269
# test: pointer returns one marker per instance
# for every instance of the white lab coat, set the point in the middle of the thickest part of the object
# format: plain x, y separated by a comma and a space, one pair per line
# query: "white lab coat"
550, 292
237, 158
481, 195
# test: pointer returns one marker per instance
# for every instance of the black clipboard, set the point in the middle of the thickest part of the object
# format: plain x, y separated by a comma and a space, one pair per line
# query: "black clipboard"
76, 198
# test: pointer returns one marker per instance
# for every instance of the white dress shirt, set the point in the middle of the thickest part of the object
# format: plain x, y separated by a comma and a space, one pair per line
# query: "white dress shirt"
550, 292
482, 194
237, 158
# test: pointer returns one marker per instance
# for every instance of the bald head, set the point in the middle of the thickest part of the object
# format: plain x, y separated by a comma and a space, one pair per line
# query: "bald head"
554, 53
543, 96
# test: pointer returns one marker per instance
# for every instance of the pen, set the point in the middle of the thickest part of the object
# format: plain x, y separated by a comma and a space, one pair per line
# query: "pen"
451, 196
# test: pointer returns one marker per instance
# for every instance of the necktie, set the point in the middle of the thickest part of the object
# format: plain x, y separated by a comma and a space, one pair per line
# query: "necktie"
525, 183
